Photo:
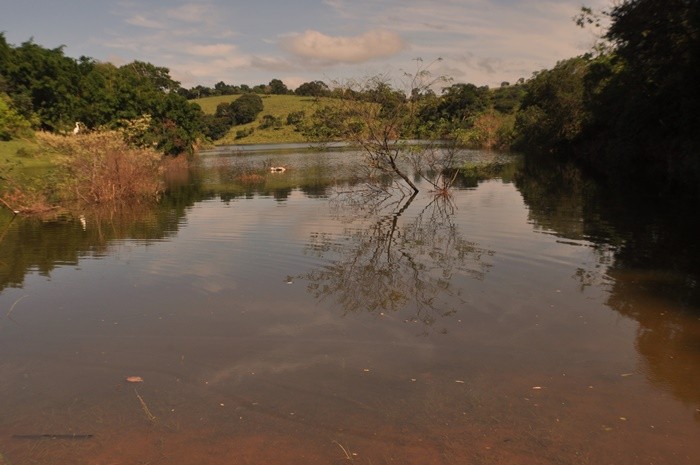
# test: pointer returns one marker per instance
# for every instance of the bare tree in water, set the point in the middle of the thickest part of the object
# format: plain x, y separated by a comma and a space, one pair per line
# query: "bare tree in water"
381, 120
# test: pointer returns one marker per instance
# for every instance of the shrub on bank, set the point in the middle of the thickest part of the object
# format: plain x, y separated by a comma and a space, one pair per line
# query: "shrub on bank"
101, 167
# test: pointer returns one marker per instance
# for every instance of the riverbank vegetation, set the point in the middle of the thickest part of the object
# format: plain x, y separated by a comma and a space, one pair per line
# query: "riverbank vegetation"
628, 110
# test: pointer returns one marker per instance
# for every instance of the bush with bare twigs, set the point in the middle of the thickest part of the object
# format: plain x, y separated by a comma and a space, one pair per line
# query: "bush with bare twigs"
100, 167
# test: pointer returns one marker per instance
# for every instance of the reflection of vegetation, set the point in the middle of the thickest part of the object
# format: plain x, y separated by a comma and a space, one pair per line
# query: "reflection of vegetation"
563, 200
648, 250
390, 264
240, 176
471, 174
28, 244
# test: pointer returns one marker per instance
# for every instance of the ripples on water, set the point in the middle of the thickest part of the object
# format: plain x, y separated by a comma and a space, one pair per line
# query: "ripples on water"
273, 322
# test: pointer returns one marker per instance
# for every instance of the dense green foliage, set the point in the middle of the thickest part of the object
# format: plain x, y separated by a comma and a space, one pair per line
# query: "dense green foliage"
633, 106
53, 92
246, 108
552, 112
649, 103
313, 89
12, 124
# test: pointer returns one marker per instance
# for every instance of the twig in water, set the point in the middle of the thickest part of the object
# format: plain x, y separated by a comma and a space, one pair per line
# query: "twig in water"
148, 413
9, 312
347, 456
14, 212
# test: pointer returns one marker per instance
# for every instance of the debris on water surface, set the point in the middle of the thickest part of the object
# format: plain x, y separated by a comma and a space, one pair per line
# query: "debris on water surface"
459, 381
134, 379
536, 388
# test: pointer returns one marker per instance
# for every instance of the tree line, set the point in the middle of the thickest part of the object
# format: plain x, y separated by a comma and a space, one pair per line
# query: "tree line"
50, 91
629, 109
42, 88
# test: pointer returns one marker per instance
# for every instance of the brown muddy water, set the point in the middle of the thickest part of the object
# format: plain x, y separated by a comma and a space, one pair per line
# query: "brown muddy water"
535, 319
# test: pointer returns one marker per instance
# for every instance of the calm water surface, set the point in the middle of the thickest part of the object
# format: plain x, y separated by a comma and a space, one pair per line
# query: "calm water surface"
532, 320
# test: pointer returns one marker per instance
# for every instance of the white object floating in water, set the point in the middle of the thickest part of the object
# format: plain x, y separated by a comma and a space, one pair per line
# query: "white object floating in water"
134, 379
278, 169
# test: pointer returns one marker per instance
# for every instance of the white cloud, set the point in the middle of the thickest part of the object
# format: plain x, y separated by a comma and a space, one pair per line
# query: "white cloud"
191, 13
211, 50
318, 47
272, 64
142, 21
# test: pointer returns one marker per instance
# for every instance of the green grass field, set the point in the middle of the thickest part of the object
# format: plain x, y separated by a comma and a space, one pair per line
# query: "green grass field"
278, 106
23, 153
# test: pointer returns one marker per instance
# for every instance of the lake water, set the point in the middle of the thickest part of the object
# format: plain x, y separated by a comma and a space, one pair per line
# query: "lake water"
532, 319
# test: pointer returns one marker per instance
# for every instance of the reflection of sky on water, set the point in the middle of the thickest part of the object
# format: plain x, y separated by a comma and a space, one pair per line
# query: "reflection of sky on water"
208, 313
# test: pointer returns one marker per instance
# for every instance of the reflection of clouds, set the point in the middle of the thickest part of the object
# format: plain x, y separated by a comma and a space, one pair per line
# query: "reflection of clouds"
219, 248
314, 338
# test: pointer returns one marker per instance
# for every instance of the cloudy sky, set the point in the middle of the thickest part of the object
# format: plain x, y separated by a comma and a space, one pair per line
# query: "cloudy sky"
254, 41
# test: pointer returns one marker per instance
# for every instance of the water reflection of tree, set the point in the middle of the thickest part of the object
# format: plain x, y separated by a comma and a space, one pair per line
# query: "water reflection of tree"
242, 177
33, 244
387, 261
648, 255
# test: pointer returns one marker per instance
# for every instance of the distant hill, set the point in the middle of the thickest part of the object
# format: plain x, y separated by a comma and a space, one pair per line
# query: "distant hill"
277, 106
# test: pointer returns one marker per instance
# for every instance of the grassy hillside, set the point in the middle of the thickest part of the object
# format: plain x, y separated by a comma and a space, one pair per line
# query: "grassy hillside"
278, 106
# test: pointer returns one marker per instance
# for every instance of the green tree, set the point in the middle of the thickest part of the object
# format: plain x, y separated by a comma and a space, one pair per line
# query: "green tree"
45, 82
215, 127
12, 124
98, 102
277, 87
313, 89
246, 108
645, 96
462, 102
507, 98
553, 112
224, 110
221, 88
176, 124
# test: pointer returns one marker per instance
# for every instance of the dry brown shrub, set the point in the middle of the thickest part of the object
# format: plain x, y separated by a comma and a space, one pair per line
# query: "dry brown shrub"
26, 202
176, 170
100, 167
